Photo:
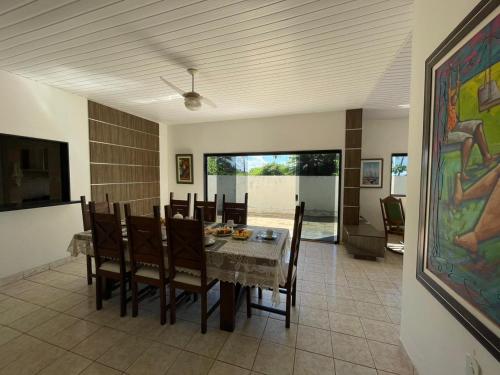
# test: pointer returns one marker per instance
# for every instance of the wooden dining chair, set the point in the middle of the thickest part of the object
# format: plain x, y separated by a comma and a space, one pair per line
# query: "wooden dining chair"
209, 208
289, 269
102, 207
238, 212
147, 257
187, 263
180, 206
109, 253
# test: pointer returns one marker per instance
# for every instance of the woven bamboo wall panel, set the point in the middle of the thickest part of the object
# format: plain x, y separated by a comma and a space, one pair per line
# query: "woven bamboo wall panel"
126, 192
351, 178
114, 154
105, 133
353, 158
124, 158
145, 206
353, 138
110, 115
109, 173
351, 197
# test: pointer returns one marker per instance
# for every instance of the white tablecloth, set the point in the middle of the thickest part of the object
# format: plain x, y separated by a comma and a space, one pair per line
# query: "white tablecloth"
254, 262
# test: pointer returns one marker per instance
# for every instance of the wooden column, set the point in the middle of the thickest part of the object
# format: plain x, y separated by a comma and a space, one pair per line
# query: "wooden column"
352, 165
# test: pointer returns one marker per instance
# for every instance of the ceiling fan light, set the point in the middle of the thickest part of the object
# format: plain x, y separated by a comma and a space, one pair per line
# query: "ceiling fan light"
193, 104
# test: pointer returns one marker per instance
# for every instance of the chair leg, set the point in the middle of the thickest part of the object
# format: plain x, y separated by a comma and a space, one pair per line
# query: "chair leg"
172, 304
249, 301
89, 270
98, 292
260, 293
288, 302
204, 308
163, 304
123, 296
294, 292
108, 286
135, 300
195, 297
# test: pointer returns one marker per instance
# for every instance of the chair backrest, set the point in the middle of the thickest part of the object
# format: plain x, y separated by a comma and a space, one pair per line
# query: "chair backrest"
145, 241
238, 212
107, 235
102, 207
209, 208
392, 211
180, 206
297, 233
186, 246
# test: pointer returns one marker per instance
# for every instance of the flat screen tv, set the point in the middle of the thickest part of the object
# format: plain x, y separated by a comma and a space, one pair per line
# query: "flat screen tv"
33, 172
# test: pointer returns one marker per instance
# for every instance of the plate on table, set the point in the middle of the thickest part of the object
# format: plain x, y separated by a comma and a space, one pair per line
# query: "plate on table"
222, 232
266, 237
242, 234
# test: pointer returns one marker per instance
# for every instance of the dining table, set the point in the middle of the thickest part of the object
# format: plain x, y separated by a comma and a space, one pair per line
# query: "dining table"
236, 263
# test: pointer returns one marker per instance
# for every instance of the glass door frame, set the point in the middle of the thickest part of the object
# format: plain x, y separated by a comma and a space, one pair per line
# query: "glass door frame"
267, 153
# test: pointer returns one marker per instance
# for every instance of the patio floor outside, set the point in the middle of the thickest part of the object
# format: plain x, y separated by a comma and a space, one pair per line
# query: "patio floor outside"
319, 228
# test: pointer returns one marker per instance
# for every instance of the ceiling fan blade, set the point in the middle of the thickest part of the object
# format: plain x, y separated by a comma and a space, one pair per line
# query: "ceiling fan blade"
205, 100
172, 86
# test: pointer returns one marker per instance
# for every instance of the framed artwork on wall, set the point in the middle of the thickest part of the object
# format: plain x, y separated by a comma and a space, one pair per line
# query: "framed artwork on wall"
459, 229
371, 173
184, 168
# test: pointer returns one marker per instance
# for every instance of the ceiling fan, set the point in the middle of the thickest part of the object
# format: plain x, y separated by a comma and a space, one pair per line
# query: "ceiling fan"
192, 100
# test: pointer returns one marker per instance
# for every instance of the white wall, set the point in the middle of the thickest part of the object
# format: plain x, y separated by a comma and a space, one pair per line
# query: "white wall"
381, 138
435, 340
317, 131
33, 237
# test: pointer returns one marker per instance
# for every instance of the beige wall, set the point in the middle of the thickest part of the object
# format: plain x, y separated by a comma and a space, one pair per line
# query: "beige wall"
33, 237
315, 131
381, 138
435, 340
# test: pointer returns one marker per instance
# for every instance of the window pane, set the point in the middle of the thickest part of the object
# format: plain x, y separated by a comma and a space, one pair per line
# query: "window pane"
276, 183
399, 173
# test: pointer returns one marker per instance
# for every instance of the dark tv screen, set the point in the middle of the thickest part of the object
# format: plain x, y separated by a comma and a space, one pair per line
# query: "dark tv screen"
33, 172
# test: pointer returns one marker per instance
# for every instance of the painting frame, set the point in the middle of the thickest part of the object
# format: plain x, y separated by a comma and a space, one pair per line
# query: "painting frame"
184, 175
380, 171
466, 315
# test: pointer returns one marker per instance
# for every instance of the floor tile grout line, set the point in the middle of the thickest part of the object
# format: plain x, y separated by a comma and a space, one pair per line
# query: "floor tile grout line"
261, 338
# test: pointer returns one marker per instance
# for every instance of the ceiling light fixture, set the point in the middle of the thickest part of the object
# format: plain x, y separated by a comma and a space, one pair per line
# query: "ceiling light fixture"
404, 106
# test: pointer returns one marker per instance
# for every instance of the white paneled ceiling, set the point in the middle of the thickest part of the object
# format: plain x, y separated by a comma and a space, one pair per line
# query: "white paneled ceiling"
255, 57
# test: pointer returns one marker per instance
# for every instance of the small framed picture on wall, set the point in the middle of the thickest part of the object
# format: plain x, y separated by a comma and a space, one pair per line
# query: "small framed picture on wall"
184, 168
371, 173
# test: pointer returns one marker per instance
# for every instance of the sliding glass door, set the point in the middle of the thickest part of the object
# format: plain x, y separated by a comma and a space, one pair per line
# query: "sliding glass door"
275, 183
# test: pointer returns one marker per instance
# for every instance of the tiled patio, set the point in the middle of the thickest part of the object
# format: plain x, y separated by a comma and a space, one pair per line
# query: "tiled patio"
346, 322
313, 230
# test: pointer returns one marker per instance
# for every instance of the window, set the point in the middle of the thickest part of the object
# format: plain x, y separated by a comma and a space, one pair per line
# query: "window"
399, 173
275, 182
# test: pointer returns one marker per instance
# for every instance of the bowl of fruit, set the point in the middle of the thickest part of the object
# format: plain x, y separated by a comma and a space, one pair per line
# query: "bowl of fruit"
222, 231
242, 234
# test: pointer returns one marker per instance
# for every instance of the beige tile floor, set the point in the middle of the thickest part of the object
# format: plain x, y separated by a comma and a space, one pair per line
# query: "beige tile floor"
346, 322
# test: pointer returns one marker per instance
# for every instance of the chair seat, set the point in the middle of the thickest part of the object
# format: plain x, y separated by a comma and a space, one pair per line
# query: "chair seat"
150, 272
113, 266
186, 278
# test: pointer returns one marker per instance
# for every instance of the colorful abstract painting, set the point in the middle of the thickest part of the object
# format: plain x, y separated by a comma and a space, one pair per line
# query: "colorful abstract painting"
462, 224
